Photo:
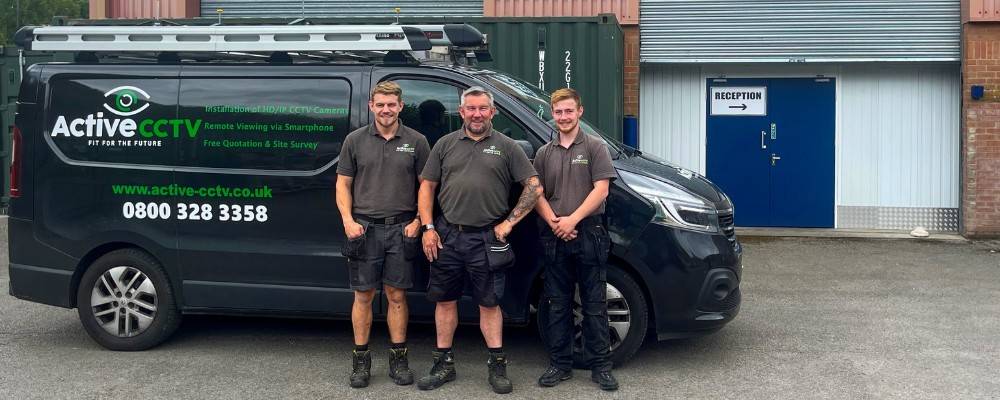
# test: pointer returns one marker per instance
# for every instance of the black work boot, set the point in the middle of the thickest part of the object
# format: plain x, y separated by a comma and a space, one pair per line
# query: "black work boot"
498, 373
605, 380
362, 368
553, 376
399, 367
442, 372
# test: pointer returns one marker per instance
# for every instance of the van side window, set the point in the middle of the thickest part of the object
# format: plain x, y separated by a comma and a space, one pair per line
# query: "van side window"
507, 125
266, 123
117, 121
430, 107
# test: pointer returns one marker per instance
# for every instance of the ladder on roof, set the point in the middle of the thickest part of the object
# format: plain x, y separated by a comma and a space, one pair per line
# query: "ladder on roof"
247, 38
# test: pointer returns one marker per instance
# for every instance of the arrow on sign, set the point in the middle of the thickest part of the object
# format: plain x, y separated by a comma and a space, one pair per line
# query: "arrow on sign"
742, 107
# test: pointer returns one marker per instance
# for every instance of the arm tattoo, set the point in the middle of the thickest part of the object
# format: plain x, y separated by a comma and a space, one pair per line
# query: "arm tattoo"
526, 203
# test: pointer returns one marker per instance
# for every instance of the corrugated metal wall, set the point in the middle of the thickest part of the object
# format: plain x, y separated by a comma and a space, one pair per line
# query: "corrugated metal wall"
341, 8
627, 11
136, 9
671, 119
898, 136
799, 31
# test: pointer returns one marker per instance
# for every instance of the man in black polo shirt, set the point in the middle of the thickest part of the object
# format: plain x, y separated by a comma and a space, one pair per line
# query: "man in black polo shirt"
475, 167
576, 170
376, 194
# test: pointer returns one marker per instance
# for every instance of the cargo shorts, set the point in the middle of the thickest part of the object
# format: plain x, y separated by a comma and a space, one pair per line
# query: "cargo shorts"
382, 255
463, 262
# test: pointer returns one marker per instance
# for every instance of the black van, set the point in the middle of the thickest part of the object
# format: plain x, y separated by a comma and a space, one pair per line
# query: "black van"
147, 187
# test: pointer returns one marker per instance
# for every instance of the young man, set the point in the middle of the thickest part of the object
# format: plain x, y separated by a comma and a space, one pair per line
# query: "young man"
475, 167
575, 170
376, 194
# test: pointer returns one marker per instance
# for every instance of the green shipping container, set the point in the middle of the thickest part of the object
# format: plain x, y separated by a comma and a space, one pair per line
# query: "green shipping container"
585, 53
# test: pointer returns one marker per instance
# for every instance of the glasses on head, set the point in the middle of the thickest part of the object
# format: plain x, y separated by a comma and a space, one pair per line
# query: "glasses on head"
480, 109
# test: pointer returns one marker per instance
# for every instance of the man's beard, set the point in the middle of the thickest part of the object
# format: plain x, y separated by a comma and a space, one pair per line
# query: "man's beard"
486, 126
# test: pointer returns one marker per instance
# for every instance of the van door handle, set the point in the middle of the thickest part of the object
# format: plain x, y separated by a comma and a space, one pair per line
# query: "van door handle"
762, 145
774, 158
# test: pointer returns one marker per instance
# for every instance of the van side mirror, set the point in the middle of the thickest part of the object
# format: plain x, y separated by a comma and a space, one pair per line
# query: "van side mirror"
529, 150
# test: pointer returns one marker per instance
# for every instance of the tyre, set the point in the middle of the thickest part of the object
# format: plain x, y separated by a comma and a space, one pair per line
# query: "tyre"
628, 319
125, 301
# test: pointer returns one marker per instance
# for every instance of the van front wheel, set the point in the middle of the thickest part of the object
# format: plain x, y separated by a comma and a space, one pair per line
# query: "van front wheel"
125, 301
628, 319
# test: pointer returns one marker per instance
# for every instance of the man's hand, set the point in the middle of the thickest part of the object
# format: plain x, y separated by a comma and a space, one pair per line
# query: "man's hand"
564, 227
432, 243
412, 229
353, 230
502, 230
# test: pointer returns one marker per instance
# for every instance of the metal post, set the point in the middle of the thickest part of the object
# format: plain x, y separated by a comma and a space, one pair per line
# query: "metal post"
18, 19
303, 9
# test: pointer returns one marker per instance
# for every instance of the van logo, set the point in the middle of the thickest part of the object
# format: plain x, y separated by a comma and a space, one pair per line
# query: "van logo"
492, 150
119, 127
579, 160
126, 100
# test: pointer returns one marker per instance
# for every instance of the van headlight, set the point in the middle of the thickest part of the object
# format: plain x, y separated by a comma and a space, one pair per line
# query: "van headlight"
675, 206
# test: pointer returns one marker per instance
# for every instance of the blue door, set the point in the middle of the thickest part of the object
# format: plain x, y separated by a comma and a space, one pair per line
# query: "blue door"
770, 147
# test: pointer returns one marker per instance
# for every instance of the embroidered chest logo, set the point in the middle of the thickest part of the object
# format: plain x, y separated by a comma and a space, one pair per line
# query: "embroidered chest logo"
405, 148
492, 150
579, 160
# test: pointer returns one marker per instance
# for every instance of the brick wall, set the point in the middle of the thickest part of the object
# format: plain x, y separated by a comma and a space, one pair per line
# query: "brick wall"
981, 130
631, 81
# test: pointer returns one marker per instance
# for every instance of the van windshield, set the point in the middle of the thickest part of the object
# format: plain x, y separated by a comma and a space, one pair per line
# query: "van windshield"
537, 101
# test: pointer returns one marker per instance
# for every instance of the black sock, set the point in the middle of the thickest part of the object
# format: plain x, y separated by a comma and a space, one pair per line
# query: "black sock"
444, 349
361, 348
397, 345
496, 350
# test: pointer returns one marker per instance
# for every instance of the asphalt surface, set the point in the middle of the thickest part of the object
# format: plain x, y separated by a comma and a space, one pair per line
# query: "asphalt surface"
821, 318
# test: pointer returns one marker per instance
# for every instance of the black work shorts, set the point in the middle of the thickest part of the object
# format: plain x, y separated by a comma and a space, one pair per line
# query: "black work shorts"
382, 255
461, 261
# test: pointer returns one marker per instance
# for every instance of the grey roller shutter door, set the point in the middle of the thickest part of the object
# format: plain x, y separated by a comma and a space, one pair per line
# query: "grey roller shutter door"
677, 31
342, 8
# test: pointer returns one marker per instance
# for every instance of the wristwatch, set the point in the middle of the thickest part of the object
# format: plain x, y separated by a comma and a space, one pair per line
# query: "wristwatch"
429, 227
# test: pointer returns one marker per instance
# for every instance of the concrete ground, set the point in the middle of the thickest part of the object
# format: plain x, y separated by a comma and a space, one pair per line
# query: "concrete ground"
821, 318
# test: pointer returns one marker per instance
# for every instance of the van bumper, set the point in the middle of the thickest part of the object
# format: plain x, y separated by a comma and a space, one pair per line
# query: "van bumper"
692, 278
42, 285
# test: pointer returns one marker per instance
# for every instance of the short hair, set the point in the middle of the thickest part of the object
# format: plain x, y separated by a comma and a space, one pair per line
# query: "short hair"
387, 88
476, 91
565, 94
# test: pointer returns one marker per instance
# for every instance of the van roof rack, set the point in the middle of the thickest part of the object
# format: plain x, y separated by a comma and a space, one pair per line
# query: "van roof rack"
247, 38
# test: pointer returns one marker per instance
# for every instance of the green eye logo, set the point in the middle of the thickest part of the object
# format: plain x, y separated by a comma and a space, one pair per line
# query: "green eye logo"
126, 100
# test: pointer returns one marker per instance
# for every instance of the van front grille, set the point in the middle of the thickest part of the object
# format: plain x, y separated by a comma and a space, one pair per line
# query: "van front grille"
726, 223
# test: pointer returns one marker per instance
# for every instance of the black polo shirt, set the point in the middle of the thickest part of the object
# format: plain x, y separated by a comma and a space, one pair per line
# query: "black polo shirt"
475, 177
384, 171
568, 174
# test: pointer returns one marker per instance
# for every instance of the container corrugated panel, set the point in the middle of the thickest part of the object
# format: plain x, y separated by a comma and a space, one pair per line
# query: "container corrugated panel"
135, 9
627, 11
340, 8
697, 31
585, 53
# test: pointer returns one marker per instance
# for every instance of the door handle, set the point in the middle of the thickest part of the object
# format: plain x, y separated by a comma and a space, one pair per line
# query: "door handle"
774, 158
762, 145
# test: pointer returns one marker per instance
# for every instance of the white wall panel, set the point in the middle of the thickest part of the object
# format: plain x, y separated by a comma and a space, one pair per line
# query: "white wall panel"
671, 113
899, 138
